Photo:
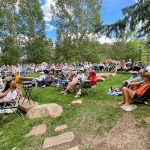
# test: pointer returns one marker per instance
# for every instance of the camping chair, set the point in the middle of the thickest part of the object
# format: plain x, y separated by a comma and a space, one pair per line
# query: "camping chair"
85, 87
144, 99
12, 106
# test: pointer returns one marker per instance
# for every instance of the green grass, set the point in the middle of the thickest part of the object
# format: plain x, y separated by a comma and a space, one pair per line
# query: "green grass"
97, 115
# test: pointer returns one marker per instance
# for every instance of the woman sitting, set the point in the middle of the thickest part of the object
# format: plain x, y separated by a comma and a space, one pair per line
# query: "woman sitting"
90, 79
71, 85
10, 94
72, 74
129, 94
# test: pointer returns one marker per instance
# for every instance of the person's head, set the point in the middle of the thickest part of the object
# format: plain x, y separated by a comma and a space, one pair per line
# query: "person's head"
13, 77
46, 71
146, 77
91, 71
81, 70
73, 72
12, 85
142, 71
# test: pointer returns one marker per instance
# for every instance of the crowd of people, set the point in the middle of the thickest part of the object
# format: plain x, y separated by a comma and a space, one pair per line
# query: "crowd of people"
71, 76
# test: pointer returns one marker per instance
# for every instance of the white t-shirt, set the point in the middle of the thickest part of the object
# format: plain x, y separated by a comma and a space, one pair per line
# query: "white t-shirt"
79, 76
11, 95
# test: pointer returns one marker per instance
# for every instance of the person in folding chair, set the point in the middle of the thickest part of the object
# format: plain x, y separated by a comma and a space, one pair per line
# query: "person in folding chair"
10, 94
73, 83
129, 94
8, 98
89, 83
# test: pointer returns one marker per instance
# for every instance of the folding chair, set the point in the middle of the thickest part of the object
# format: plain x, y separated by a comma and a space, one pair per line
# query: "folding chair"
86, 87
144, 99
13, 106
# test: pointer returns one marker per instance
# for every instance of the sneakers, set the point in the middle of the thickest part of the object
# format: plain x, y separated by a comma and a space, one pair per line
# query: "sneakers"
128, 107
62, 92
77, 96
43, 86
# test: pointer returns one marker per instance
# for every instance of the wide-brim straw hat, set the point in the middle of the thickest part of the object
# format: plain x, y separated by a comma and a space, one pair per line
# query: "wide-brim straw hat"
147, 75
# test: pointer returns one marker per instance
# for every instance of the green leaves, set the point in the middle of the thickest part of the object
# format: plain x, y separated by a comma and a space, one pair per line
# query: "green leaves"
134, 15
75, 20
22, 32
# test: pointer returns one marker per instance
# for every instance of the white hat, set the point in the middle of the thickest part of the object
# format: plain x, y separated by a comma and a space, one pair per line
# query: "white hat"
81, 69
134, 72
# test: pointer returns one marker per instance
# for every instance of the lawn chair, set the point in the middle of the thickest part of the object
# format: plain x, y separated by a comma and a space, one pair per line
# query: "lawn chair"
12, 106
144, 99
86, 87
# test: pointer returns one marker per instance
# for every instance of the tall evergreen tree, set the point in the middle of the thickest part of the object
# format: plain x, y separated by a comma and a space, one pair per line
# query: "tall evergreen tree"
133, 15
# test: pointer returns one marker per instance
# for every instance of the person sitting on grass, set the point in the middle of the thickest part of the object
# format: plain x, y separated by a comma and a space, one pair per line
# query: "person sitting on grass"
91, 78
10, 94
129, 94
71, 85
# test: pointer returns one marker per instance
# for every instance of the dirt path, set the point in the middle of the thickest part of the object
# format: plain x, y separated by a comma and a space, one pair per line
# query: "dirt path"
124, 136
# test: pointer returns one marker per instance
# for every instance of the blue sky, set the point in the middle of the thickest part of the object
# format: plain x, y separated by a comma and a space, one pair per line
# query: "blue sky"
110, 13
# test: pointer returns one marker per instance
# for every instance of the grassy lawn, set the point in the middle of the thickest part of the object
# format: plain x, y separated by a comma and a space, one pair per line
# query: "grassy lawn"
97, 115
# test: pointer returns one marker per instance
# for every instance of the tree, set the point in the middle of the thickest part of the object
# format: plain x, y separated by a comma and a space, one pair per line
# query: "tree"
32, 26
134, 14
8, 32
39, 51
75, 20
22, 28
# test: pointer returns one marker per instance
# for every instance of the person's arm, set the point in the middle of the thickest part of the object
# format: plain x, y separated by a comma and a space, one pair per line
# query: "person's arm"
135, 83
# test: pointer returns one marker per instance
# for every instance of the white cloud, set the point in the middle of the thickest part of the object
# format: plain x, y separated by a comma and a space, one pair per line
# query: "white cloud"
47, 14
46, 10
104, 39
49, 27
101, 39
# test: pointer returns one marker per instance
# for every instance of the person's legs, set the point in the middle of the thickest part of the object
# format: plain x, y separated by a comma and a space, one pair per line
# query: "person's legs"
78, 93
70, 86
127, 95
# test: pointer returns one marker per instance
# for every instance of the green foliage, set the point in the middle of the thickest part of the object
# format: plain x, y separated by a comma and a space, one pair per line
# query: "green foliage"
38, 51
75, 21
22, 32
135, 14
10, 54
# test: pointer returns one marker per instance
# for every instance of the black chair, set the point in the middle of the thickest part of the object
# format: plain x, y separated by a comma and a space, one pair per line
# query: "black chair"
145, 98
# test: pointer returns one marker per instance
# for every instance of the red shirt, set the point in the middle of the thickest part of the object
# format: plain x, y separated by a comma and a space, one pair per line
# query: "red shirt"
92, 78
